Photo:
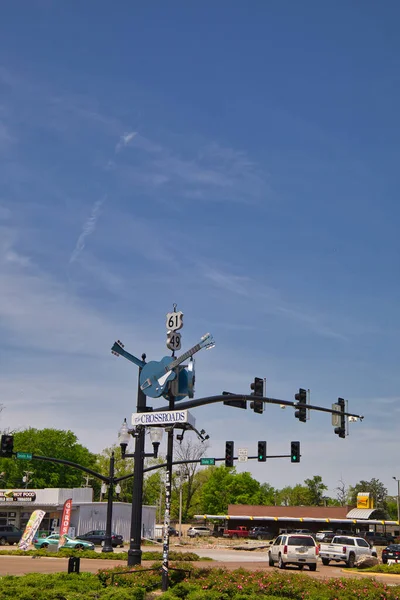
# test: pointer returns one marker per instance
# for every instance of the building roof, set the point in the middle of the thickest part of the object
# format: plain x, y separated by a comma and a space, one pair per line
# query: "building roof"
287, 512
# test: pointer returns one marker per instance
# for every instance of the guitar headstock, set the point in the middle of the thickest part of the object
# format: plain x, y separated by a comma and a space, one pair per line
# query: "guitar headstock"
117, 347
207, 341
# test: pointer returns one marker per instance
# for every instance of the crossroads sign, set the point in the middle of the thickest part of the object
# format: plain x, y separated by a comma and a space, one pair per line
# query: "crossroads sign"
164, 418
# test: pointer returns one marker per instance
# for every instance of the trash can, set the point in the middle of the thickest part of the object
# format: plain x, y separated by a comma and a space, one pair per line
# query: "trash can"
74, 564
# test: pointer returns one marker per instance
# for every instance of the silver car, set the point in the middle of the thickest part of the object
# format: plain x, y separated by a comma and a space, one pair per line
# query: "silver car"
198, 531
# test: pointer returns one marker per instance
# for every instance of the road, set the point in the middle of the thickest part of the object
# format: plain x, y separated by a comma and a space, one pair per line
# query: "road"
222, 557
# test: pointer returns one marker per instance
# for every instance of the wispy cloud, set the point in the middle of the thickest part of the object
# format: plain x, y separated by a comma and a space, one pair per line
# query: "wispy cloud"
88, 228
125, 140
207, 172
270, 300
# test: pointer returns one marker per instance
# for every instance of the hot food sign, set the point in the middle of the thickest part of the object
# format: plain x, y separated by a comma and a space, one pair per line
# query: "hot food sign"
17, 496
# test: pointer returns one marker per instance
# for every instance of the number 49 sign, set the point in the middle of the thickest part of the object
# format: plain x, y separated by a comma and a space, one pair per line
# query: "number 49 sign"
174, 340
174, 321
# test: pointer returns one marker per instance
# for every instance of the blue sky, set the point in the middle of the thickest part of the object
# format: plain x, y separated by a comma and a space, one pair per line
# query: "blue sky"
238, 159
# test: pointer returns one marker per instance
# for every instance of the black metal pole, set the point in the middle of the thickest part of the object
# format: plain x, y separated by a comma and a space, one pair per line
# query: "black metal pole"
107, 541
168, 489
135, 552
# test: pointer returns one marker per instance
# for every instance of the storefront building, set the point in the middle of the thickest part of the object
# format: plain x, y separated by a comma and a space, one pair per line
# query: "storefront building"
17, 505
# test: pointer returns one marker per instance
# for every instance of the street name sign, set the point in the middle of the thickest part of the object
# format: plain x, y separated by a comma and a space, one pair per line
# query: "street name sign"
24, 455
207, 461
163, 418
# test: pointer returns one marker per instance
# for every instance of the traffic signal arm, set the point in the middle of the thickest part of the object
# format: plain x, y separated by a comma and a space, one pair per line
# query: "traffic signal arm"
220, 398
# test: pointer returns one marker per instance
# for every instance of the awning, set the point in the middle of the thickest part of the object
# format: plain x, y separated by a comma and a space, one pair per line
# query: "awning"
348, 519
360, 513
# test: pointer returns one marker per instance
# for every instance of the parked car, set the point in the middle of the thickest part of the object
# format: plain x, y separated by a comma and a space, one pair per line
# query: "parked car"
294, 549
377, 538
198, 531
9, 534
98, 537
260, 533
326, 535
172, 531
391, 552
54, 538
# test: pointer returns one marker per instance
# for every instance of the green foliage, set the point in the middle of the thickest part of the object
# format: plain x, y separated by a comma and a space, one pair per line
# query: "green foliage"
54, 443
315, 490
394, 569
225, 486
202, 584
374, 487
121, 467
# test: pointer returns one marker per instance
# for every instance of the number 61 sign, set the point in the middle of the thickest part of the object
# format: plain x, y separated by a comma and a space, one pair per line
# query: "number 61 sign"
174, 321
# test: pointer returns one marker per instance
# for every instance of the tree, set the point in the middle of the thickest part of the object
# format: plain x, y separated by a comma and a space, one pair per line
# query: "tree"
189, 477
55, 443
297, 495
121, 467
216, 492
315, 489
225, 487
342, 493
376, 489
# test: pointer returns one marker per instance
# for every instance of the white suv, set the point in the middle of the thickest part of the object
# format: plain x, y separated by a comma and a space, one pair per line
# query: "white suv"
198, 530
294, 549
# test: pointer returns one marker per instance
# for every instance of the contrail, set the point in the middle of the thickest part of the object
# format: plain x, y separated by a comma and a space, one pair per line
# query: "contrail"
88, 229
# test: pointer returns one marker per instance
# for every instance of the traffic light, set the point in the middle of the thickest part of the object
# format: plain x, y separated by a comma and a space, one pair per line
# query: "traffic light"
341, 430
6, 446
229, 447
262, 451
301, 398
295, 452
258, 390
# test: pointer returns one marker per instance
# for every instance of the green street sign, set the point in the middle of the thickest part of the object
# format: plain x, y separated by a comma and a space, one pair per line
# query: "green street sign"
207, 461
24, 455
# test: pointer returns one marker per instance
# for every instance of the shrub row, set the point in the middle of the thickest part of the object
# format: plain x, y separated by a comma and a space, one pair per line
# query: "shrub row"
203, 584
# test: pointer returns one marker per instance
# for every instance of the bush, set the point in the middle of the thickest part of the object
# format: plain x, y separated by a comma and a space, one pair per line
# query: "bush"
203, 584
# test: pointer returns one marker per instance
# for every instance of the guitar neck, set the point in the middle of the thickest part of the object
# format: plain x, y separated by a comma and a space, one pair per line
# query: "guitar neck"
128, 356
184, 356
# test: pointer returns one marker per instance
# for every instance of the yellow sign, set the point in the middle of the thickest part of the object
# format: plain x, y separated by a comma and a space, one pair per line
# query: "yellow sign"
365, 500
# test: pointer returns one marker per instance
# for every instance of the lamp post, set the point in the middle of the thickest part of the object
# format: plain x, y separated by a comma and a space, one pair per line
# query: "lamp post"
398, 498
107, 540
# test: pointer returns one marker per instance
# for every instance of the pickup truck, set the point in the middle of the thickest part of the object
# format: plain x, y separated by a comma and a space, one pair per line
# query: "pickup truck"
345, 548
238, 532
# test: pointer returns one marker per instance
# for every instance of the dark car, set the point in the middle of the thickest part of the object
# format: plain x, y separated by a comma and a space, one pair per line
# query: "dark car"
98, 537
391, 552
172, 531
377, 538
260, 533
9, 534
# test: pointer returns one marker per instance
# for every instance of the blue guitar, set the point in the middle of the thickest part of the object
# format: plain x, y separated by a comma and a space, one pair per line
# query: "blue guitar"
156, 375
